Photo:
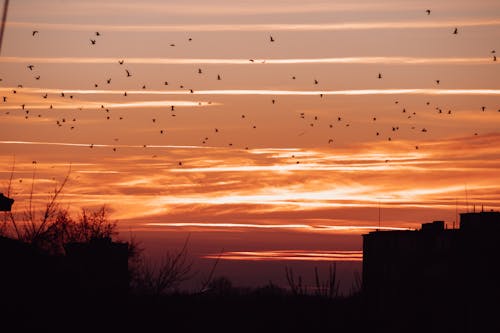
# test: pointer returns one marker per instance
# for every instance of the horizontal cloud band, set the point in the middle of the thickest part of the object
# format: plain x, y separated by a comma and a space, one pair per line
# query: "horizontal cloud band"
205, 61
261, 27
417, 91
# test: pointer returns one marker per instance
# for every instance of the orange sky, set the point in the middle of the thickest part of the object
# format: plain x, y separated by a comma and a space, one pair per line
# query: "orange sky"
291, 152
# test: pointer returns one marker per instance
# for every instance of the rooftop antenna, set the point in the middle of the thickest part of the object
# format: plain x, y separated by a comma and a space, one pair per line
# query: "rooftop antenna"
4, 19
456, 213
379, 214
466, 200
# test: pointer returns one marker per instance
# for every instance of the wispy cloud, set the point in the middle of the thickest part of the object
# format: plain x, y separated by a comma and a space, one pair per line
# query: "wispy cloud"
130, 105
272, 92
257, 61
263, 27
303, 227
151, 192
289, 255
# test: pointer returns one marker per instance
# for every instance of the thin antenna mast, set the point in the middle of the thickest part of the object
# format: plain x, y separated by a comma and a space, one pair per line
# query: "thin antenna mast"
4, 19
379, 214
466, 200
456, 213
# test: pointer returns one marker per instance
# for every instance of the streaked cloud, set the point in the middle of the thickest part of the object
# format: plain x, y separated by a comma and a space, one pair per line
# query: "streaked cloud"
302, 227
271, 92
257, 61
289, 255
262, 27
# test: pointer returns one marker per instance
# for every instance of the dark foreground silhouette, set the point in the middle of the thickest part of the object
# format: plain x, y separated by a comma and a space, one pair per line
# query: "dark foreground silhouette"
428, 280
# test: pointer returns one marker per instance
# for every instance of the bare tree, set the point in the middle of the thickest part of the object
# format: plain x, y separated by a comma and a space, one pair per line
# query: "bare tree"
296, 287
330, 287
356, 284
207, 281
163, 276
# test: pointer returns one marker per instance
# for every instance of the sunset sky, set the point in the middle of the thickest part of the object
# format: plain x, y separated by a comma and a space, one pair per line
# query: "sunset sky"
273, 132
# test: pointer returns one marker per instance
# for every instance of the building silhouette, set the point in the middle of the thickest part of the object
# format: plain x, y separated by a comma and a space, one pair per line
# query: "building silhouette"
97, 268
436, 277
5, 203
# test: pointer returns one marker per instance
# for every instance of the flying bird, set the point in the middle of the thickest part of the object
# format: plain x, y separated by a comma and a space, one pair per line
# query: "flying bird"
97, 33
120, 62
108, 81
218, 77
92, 41
34, 32
271, 38
30, 67
428, 11
379, 75
128, 73
455, 31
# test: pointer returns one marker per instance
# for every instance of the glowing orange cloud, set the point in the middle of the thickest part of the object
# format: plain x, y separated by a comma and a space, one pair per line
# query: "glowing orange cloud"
263, 27
289, 255
257, 61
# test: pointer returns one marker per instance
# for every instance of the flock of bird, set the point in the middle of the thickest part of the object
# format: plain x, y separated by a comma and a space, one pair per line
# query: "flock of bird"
127, 73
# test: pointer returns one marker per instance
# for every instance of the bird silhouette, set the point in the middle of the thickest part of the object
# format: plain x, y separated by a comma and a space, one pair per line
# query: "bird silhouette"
455, 32
92, 41
108, 81
30, 67
34, 32
437, 81
97, 33
218, 77
199, 71
428, 11
379, 75
120, 62
271, 38
315, 81
128, 73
